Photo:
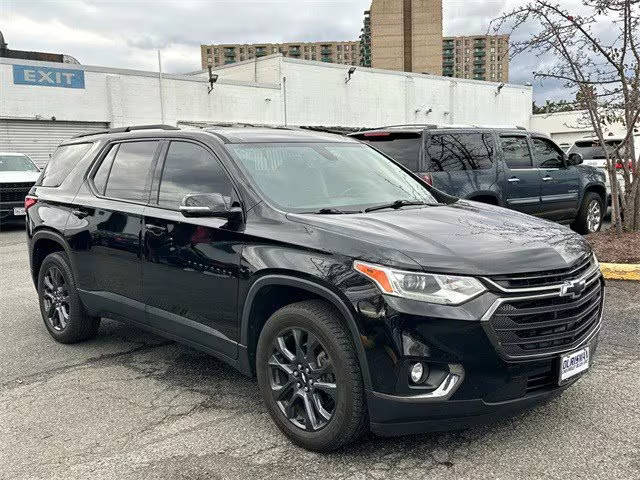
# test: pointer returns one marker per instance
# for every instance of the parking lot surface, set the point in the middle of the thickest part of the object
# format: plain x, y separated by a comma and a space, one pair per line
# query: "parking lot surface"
132, 405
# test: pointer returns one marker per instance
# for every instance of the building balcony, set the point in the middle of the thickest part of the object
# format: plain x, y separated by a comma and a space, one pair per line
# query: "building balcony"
479, 53
325, 51
478, 62
447, 63
447, 54
479, 70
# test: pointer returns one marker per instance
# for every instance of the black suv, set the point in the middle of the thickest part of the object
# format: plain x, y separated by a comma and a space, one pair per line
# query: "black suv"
512, 168
360, 296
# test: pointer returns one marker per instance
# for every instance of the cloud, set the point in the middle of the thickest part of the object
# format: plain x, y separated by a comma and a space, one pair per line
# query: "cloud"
126, 34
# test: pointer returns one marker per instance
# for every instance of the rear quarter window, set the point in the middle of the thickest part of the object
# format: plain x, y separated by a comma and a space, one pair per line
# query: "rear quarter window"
456, 152
404, 148
62, 162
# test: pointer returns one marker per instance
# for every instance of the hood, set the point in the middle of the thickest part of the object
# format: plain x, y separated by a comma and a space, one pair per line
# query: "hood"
17, 177
465, 237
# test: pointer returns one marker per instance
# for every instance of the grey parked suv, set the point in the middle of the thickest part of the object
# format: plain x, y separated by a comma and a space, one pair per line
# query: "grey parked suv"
510, 167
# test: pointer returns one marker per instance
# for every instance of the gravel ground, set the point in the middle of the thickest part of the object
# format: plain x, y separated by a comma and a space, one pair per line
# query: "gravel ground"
132, 405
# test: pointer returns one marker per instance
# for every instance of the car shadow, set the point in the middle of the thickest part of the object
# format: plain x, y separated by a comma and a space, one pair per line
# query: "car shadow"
182, 368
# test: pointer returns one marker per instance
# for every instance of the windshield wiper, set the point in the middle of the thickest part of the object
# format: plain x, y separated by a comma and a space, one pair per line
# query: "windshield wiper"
397, 204
335, 211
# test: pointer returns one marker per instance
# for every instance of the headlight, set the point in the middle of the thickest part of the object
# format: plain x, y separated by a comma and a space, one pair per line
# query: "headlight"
426, 287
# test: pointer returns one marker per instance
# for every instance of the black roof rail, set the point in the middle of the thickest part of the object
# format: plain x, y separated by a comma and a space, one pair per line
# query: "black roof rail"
130, 128
423, 125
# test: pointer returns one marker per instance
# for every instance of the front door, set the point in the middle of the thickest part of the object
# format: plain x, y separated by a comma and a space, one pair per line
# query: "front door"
522, 178
560, 190
190, 267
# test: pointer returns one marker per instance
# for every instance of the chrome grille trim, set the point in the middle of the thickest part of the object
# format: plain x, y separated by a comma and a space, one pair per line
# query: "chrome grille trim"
488, 320
589, 276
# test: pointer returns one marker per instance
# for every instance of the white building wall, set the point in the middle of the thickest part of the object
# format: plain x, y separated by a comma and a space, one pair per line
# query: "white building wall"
316, 94
129, 97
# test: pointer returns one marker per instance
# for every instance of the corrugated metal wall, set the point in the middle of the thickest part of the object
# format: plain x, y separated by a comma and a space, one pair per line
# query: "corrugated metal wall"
39, 139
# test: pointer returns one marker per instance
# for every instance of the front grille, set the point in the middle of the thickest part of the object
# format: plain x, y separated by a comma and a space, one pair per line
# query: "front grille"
545, 278
546, 324
14, 192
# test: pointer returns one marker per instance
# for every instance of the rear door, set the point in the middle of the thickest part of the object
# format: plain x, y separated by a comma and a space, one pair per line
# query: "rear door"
107, 225
462, 164
560, 188
522, 178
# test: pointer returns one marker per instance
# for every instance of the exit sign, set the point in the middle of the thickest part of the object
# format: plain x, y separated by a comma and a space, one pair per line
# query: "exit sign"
48, 77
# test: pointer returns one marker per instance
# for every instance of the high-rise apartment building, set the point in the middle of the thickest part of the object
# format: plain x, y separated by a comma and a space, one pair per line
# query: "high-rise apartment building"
383, 44
406, 35
480, 57
347, 53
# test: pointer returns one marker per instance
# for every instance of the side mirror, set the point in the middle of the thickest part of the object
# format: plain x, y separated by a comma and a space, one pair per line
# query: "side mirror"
208, 205
575, 159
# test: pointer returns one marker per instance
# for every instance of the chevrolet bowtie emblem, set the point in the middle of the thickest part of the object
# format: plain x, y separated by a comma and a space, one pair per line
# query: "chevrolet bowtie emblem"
573, 288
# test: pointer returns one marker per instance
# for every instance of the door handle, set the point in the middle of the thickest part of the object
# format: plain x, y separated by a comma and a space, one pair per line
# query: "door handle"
514, 180
80, 213
156, 229
547, 178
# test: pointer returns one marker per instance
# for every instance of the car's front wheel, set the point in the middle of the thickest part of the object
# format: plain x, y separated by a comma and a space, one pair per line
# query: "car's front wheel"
60, 305
590, 215
310, 377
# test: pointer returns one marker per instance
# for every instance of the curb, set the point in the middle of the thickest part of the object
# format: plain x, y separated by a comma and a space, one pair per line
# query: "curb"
621, 271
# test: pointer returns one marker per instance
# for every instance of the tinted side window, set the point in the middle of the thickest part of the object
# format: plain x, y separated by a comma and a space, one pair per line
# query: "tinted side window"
129, 177
189, 169
62, 162
403, 148
547, 155
457, 152
516, 152
100, 177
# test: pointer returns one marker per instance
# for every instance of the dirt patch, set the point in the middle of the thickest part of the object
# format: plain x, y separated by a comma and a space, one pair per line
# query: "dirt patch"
614, 248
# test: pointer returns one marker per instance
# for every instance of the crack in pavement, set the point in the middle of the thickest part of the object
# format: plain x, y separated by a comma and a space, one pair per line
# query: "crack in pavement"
46, 374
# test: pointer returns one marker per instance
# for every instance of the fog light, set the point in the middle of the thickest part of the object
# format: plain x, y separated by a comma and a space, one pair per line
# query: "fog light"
417, 372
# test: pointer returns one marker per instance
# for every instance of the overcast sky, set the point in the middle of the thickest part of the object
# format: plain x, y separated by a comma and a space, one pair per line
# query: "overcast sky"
126, 34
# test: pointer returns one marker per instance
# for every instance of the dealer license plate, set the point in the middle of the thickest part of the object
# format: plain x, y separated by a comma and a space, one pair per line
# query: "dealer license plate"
19, 211
574, 363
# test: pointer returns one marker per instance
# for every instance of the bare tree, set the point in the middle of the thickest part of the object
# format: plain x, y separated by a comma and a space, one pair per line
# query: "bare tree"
594, 52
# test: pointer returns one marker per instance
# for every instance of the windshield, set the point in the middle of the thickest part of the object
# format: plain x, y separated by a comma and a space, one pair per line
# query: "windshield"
591, 149
315, 176
16, 163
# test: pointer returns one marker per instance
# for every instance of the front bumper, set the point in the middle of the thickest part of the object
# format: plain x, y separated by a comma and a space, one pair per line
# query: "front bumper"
492, 380
400, 415
7, 210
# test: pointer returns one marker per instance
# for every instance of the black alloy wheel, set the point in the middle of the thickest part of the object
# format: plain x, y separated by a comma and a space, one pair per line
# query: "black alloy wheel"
310, 376
303, 382
62, 311
56, 298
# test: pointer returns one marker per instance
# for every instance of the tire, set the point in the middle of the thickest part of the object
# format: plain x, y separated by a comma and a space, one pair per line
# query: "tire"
586, 222
62, 311
332, 352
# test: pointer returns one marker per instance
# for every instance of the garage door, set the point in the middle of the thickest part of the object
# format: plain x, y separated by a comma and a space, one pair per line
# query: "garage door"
39, 139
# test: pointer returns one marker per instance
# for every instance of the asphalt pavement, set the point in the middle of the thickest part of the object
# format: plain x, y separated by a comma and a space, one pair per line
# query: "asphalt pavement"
130, 405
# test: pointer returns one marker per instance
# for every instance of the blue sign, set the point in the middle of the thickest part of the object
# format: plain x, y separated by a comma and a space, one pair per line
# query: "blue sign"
47, 76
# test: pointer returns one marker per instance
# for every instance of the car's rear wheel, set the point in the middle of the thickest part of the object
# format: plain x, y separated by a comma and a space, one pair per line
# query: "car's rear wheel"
310, 377
62, 311
590, 215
